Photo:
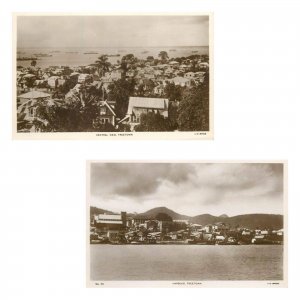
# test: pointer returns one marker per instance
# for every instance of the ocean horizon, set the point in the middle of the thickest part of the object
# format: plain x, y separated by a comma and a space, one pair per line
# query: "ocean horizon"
80, 56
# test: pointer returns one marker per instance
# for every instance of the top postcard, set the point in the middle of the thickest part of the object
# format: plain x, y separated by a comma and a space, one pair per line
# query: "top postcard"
112, 76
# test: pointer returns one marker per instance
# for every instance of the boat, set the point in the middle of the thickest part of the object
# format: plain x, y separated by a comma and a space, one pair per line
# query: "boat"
113, 55
26, 58
42, 55
144, 52
90, 53
172, 50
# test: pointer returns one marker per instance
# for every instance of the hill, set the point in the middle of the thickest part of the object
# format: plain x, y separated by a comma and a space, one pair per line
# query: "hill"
250, 221
174, 215
97, 211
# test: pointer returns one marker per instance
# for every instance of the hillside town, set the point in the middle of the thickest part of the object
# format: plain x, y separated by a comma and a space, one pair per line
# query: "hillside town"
137, 229
131, 94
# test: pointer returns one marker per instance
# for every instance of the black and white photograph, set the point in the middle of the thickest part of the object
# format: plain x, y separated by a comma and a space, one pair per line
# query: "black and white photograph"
202, 224
113, 76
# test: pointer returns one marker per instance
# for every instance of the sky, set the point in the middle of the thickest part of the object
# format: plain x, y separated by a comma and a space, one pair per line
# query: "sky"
111, 31
188, 188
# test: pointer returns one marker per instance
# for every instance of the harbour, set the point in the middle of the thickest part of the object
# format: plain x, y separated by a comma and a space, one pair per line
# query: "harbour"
178, 262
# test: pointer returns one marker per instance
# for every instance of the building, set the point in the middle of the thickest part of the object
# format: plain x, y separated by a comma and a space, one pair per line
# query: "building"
27, 113
190, 75
181, 81
107, 114
85, 78
114, 74
53, 81
109, 225
142, 105
32, 95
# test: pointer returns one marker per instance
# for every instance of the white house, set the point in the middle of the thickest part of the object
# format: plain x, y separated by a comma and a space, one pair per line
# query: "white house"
142, 105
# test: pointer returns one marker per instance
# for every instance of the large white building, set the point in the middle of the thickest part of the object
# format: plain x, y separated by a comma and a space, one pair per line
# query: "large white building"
110, 224
143, 105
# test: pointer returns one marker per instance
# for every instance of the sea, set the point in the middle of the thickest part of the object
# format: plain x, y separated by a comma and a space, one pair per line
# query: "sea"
74, 57
186, 262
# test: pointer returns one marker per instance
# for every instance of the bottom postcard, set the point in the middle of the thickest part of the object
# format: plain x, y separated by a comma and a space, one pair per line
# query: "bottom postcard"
187, 224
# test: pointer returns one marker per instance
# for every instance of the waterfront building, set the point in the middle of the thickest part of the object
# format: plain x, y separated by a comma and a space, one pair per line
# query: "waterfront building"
110, 225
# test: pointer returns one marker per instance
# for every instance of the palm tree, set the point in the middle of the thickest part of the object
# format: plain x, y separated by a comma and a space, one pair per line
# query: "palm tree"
102, 64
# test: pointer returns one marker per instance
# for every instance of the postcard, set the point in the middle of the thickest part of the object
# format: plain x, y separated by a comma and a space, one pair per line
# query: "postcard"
186, 224
113, 76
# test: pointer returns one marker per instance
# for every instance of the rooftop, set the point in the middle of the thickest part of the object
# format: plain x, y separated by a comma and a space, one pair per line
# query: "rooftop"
34, 95
143, 102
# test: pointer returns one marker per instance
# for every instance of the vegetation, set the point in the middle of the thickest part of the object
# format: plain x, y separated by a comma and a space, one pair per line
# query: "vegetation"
193, 111
163, 217
33, 63
153, 122
120, 91
102, 65
163, 55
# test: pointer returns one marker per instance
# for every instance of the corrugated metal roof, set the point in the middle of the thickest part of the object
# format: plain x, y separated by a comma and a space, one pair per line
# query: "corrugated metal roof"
108, 222
34, 95
143, 102
108, 217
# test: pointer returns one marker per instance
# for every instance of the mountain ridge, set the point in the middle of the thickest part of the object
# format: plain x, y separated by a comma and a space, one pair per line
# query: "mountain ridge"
251, 221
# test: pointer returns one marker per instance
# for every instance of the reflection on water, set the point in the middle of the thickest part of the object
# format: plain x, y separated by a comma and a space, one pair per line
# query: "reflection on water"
186, 262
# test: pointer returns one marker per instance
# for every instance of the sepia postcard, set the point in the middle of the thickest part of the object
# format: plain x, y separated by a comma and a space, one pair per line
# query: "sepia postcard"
186, 224
100, 77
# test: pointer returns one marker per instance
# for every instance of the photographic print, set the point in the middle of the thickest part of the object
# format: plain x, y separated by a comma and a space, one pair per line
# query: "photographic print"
113, 76
186, 224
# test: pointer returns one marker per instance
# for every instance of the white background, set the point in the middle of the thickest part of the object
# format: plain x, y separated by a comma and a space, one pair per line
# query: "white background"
42, 193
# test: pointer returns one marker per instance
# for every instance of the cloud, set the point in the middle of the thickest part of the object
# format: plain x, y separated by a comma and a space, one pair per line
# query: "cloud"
135, 180
189, 188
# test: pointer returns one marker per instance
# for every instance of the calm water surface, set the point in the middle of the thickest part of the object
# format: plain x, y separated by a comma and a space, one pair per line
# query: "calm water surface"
76, 57
186, 262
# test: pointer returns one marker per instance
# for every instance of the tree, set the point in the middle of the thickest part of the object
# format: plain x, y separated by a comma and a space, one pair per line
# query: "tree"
153, 122
33, 63
173, 115
128, 63
163, 217
193, 111
173, 92
150, 58
76, 114
163, 55
119, 92
102, 64
98, 126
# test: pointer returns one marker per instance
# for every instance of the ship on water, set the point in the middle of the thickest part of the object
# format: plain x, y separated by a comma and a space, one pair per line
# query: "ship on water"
91, 52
